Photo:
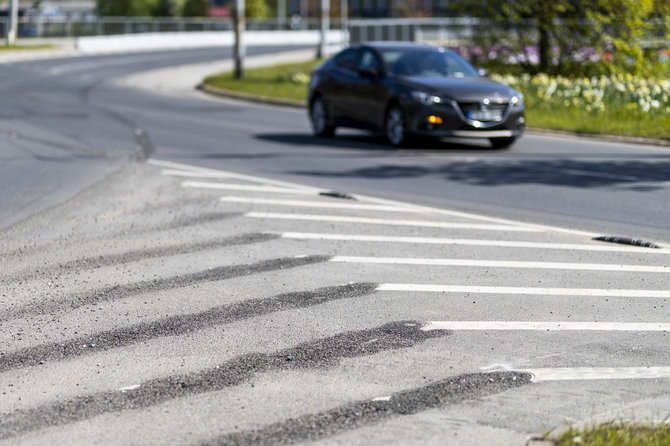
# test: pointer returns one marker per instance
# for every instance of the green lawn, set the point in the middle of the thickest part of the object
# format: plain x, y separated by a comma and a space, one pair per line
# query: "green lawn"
289, 81
618, 434
26, 47
615, 122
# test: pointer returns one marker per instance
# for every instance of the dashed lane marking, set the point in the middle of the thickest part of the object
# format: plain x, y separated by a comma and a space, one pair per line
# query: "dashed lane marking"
222, 174
245, 187
192, 174
470, 242
388, 222
590, 292
545, 326
591, 373
502, 264
379, 201
320, 204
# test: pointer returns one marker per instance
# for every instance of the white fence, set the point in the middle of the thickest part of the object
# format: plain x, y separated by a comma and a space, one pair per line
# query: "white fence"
152, 41
67, 27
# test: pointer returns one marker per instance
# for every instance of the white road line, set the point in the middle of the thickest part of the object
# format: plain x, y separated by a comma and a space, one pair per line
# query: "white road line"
590, 292
190, 174
378, 201
592, 373
471, 216
471, 242
224, 174
544, 326
245, 187
390, 203
386, 222
318, 204
502, 264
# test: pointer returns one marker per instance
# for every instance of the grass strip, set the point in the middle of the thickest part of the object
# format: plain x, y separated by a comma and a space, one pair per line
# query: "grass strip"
286, 81
43, 46
618, 434
290, 81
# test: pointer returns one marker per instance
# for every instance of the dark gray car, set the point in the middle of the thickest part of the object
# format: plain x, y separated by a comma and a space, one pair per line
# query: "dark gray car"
407, 89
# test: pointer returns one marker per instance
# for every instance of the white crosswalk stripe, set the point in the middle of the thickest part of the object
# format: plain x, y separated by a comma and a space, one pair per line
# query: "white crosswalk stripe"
536, 291
387, 222
471, 242
502, 264
545, 326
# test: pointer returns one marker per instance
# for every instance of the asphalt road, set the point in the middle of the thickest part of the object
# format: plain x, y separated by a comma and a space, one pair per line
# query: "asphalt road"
176, 271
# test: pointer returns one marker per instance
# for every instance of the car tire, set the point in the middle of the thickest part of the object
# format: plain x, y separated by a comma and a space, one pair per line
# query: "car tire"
502, 143
318, 115
395, 126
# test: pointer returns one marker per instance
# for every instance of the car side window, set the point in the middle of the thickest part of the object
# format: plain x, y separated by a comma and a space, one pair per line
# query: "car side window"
370, 61
346, 60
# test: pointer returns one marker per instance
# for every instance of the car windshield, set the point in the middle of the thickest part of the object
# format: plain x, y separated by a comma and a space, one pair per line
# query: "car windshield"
410, 62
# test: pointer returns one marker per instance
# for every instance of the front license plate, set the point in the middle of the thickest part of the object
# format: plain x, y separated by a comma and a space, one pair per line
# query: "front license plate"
485, 115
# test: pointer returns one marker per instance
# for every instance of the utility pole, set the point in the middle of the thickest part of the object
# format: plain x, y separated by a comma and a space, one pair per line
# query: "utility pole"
13, 22
239, 49
281, 13
325, 26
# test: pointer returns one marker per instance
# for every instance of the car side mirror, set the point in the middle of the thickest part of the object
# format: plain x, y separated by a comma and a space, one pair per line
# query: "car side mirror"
483, 72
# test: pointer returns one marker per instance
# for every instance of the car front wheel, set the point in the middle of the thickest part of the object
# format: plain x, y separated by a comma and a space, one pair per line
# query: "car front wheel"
396, 126
319, 118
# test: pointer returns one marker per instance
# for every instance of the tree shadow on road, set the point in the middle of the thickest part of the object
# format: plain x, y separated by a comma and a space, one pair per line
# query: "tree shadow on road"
368, 141
633, 175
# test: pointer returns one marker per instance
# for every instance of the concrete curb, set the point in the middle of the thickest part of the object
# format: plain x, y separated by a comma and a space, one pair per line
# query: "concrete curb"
608, 138
535, 131
230, 94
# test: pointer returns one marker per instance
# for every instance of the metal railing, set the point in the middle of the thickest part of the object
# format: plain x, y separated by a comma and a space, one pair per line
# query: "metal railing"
66, 27
443, 31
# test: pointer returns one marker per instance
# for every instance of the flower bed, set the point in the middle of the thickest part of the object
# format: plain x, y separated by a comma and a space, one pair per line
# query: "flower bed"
620, 105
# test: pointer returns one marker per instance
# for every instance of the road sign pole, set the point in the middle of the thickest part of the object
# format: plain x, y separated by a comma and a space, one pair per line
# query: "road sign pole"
13, 22
325, 25
239, 49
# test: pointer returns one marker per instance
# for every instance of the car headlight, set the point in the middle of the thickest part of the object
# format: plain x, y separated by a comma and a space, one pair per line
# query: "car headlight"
426, 98
517, 101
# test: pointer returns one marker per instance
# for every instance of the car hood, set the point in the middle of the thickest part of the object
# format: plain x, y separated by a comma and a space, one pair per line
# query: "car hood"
464, 89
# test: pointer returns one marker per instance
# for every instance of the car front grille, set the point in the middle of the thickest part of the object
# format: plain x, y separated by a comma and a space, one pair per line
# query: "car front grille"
486, 113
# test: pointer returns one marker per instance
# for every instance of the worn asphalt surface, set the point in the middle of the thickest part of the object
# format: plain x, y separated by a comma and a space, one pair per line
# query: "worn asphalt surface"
176, 270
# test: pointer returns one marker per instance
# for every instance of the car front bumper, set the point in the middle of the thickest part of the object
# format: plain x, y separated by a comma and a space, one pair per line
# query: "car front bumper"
453, 123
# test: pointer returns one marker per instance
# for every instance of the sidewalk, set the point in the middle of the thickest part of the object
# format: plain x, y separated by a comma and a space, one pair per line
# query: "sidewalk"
62, 48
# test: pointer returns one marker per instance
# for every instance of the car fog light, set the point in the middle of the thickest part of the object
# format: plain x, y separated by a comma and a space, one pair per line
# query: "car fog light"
522, 120
432, 119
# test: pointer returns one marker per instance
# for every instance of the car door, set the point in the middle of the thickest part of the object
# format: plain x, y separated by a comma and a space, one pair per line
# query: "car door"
370, 90
343, 78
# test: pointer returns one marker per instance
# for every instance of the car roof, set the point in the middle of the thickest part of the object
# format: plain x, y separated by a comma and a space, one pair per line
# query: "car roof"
396, 45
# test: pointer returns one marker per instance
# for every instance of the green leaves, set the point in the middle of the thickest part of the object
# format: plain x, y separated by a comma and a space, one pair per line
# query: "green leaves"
617, 34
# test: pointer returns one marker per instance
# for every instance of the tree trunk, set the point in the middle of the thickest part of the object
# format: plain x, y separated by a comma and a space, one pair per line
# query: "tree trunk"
544, 46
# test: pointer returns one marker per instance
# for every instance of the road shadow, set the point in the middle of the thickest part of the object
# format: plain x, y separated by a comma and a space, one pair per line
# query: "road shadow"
633, 175
369, 141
